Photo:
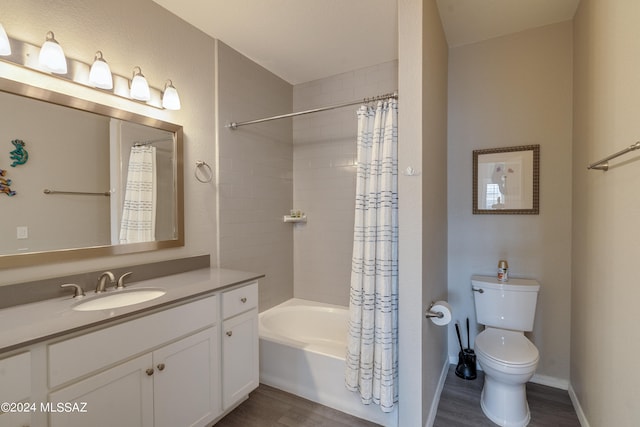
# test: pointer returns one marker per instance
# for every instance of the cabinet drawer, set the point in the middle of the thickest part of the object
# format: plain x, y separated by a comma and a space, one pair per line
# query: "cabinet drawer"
15, 378
239, 300
87, 353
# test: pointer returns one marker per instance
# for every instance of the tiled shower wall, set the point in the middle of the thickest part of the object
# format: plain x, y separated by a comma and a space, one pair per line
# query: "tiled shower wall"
255, 175
324, 156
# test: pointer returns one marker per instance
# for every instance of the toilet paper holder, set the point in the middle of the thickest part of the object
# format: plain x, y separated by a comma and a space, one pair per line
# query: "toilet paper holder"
429, 313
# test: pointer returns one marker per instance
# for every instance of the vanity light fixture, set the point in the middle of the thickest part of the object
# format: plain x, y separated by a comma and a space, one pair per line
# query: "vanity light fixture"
170, 98
100, 73
139, 86
51, 56
5, 46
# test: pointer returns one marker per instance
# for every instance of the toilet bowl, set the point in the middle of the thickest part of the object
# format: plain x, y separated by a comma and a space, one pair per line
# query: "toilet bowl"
506, 356
508, 360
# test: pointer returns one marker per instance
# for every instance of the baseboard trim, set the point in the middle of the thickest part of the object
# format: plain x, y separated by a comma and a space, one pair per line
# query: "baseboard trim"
577, 407
550, 381
436, 398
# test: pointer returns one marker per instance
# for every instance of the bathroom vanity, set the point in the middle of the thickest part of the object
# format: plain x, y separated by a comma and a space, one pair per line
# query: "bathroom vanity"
182, 359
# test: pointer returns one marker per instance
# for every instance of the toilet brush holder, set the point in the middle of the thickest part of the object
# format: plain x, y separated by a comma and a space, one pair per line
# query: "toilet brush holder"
466, 367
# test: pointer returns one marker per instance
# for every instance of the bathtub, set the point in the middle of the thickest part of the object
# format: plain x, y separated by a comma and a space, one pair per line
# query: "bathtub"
302, 351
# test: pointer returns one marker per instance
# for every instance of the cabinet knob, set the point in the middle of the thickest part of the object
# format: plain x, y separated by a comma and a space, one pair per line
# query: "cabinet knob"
149, 371
161, 367
229, 333
243, 299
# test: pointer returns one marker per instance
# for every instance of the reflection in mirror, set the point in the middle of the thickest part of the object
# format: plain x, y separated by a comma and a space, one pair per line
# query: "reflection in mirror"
506, 180
142, 183
114, 179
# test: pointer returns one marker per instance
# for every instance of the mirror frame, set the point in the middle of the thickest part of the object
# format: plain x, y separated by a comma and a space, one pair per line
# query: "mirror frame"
535, 180
75, 254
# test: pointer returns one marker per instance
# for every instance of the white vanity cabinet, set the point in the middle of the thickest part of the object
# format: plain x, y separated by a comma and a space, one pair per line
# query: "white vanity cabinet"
174, 382
15, 389
172, 386
240, 366
184, 362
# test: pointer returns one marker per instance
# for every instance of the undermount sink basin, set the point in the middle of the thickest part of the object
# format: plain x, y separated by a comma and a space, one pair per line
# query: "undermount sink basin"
120, 298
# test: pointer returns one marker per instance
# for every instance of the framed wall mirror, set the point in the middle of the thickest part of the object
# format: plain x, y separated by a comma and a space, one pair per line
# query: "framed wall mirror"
506, 180
73, 196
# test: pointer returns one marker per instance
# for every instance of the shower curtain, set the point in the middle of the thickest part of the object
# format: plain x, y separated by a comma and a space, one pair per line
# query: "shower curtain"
372, 349
138, 222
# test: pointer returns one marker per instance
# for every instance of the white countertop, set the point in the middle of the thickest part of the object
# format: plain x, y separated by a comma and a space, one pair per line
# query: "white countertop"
27, 324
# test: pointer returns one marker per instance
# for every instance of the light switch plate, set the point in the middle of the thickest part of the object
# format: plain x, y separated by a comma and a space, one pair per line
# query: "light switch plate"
22, 232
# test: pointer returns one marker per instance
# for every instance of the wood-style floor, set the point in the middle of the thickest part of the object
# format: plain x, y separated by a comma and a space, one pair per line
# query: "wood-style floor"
270, 407
459, 407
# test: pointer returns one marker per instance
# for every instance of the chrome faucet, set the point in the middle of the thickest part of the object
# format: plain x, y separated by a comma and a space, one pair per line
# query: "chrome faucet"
102, 281
120, 284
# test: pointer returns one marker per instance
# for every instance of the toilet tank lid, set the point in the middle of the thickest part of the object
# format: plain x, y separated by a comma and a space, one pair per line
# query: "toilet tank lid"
513, 284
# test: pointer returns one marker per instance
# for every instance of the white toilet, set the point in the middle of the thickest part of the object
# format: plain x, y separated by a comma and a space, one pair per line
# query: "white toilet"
506, 356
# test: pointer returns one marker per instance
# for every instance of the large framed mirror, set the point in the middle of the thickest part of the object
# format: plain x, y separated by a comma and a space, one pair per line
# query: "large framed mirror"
507, 180
98, 181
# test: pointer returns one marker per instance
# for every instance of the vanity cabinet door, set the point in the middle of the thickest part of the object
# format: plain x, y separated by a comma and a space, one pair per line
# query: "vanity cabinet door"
240, 373
121, 396
15, 388
186, 390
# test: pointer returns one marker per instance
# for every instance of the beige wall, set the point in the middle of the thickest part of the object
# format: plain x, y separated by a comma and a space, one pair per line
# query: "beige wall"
131, 33
515, 90
422, 142
324, 172
605, 293
255, 175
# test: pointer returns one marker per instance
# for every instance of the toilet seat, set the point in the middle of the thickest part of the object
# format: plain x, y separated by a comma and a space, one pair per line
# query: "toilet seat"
508, 348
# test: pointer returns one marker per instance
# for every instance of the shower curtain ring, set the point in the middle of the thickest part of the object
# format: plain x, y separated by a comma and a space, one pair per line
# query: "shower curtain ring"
209, 173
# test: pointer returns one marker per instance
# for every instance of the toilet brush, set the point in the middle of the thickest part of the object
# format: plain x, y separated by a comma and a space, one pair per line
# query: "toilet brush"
460, 369
469, 357
465, 368
459, 339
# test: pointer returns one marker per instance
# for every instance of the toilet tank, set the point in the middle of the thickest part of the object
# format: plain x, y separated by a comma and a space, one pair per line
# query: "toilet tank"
505, 305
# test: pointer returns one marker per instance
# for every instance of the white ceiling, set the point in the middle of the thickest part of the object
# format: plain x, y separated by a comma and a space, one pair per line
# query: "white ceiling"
470, 21
305, 40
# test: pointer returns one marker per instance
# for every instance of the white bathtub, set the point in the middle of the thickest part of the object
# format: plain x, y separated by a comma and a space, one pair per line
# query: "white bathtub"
302, 351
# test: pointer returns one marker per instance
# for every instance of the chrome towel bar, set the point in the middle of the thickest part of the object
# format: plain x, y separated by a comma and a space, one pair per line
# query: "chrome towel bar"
604, 163
81, 193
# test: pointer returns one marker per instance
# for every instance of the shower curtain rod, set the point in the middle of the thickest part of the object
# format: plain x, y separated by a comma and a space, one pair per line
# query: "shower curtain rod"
236, 125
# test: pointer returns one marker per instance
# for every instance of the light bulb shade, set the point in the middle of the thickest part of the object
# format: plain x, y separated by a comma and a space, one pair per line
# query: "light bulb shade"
139, 86
170, 98
5, 46
100, 73
52, 57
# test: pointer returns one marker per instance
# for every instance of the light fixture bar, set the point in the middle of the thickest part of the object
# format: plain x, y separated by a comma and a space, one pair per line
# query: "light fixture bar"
25, 55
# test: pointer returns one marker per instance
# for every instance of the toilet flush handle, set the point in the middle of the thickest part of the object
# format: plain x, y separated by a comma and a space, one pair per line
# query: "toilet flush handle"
479, 290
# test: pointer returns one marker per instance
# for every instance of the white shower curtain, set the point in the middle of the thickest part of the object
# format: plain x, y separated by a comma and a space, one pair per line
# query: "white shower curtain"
372, 350
138, 222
